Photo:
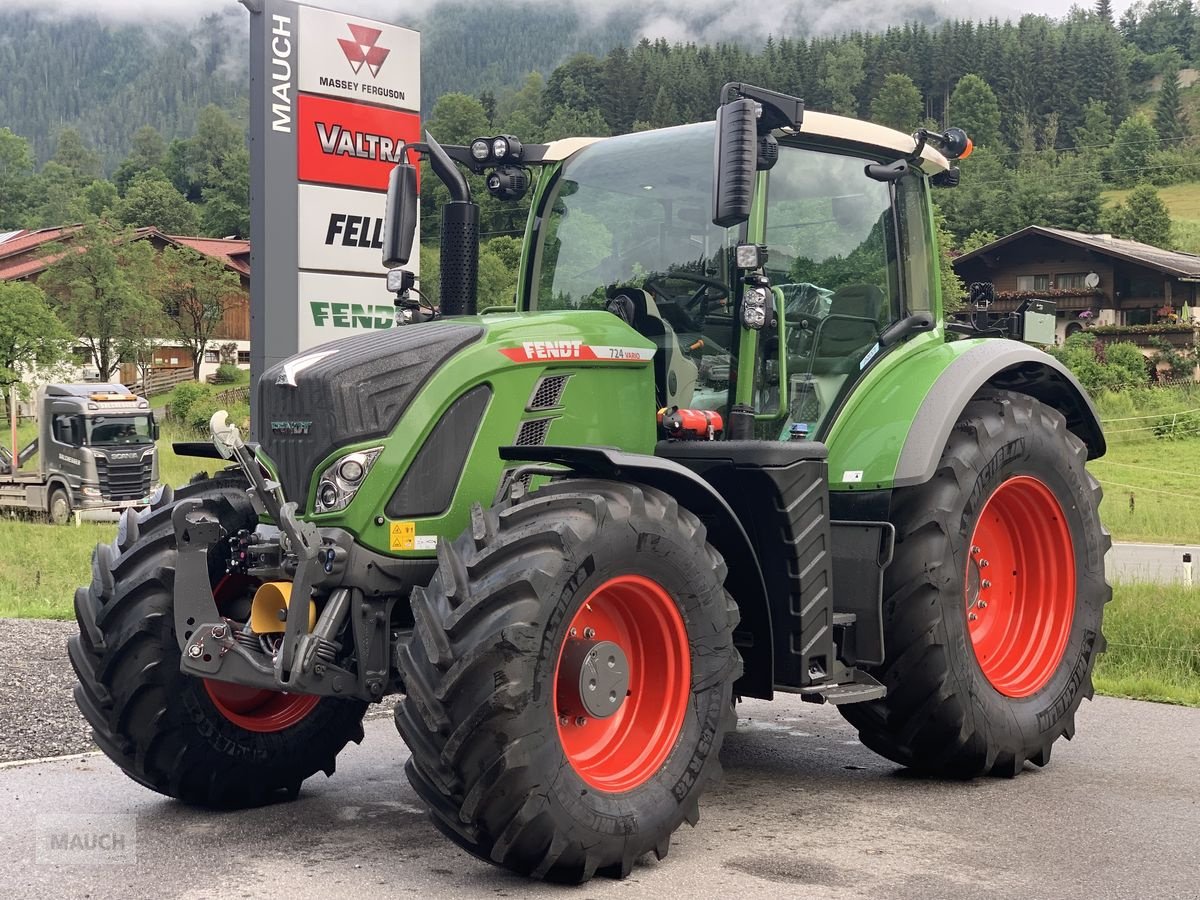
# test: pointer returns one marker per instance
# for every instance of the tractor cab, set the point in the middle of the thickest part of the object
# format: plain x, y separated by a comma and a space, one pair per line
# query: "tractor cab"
626, 225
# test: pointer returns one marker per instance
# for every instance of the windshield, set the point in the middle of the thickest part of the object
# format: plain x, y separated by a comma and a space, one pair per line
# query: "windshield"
105, 431
631, 210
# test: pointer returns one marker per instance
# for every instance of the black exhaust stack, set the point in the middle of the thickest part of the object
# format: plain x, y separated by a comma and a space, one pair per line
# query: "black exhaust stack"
460, 236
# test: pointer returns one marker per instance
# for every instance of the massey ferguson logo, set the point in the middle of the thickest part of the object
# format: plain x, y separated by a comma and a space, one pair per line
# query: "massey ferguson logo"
363, 49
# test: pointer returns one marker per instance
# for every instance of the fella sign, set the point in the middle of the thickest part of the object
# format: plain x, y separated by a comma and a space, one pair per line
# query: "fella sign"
334, 100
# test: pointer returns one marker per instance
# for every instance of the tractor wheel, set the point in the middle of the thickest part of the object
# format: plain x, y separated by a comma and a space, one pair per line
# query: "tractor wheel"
569, 679
59, 507
993, 602
203, 742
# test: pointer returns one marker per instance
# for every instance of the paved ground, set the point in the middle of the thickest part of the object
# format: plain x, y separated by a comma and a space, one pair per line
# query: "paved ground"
804, 811
1160, 563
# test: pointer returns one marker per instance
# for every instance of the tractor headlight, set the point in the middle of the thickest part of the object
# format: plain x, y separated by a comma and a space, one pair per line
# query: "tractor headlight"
480, 150
341, 479
500, 148
754, 307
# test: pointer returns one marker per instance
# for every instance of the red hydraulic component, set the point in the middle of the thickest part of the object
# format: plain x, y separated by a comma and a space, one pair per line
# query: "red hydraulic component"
690, 424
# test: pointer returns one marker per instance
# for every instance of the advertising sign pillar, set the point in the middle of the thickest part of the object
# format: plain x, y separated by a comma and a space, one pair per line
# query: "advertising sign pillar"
334, 98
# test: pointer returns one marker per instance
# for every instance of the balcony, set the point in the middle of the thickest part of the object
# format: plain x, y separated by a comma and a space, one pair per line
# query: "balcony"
1176, 335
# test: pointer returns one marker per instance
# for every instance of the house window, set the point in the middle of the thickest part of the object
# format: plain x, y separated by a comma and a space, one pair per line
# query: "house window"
1071, 281
212, 356
81, 355
1138, 316
1033, 282
243, 357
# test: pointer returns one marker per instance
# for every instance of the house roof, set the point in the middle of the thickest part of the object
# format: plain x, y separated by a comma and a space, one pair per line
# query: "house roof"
21, 252
1171, 262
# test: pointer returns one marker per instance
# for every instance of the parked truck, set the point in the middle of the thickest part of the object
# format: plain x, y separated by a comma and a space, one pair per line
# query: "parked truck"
95, 449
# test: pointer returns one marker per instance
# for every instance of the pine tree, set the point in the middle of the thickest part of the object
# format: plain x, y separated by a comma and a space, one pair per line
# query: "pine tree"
973, 108
1104, 11
1170, 119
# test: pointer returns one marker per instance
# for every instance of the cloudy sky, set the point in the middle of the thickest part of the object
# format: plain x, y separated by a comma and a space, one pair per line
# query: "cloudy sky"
664, 18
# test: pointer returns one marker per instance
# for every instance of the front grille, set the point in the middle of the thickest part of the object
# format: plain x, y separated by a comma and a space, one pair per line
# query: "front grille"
124, 481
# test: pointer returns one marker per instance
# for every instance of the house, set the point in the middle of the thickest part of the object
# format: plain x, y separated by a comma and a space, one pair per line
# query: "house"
23, 256
1125, 289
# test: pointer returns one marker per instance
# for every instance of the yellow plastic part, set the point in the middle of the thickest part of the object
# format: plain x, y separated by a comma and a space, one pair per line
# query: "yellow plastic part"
270, 598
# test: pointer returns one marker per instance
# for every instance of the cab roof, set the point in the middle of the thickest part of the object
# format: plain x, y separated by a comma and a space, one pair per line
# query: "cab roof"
825, 127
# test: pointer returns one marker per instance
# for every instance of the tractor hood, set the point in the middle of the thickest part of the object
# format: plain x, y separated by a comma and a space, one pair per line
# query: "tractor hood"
348, 390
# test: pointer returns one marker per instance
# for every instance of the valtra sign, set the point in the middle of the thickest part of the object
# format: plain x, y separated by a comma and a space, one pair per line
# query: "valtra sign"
334, 100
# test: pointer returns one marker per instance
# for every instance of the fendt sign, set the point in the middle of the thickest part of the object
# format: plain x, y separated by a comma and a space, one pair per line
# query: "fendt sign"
334, 100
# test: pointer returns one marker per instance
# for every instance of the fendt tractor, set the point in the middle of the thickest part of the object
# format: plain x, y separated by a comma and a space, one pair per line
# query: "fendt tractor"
721, 447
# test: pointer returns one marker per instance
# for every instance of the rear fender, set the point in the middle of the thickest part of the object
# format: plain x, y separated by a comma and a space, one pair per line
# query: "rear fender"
725, 532
1001, 364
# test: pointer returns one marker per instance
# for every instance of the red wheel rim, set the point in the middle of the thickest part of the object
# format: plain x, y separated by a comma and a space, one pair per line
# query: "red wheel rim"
1020, 586
254, 709
624, 750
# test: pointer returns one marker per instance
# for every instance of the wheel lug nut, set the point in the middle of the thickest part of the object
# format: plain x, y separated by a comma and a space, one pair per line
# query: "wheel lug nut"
581, 721
982, 604
983, 564
985, 583
563, 720
972, 616
589, 633
591, 685
975, 551
572, 632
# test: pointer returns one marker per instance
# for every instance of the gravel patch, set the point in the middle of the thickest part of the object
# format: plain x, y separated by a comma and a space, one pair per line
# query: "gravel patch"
36, 680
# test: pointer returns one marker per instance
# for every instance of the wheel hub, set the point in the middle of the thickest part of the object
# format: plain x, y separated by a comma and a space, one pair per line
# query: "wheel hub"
593, 679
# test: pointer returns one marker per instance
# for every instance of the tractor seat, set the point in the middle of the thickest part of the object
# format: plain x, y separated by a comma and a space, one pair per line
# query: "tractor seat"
674, 373
849, 330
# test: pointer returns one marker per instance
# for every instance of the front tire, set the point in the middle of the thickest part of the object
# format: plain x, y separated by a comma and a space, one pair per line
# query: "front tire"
203, 742
59, 507
512, 746
994, 599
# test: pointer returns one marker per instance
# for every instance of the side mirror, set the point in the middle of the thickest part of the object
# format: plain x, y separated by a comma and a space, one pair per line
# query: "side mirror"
154, 429
74, 433
735, 162
400, 220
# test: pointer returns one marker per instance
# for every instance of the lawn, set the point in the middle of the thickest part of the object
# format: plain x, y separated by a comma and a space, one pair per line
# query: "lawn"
1153, 652
1151, 490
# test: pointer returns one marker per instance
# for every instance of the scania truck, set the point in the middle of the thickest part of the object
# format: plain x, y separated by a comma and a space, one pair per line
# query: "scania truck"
95, 449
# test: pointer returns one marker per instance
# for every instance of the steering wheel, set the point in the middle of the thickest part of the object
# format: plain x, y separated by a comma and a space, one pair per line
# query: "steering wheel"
698, 302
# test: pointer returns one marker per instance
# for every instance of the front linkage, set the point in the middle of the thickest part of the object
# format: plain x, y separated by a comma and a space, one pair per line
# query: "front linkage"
296, 552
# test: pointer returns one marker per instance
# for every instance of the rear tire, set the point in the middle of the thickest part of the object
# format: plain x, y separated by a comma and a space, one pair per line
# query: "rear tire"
979, 689
160, 726
498, 752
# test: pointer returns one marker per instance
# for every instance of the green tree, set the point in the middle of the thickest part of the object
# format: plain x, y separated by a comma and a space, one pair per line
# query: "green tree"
1170, 118
153, 200
953, 290
100, 198
458, 119
195, 164
898, 104
58, 196
974, 108
1142, 217
196, 292
99, 285
1104, 11
16, 174
227, 200
148, 151
977, 239
842, 76
30, 333
1093, 137
567, 122
80, 160
1133, 143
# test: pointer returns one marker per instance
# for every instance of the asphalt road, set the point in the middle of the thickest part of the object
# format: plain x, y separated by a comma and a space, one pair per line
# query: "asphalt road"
804, 811
1158, 563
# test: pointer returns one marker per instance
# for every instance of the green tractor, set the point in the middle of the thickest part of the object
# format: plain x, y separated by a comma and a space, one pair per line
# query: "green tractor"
719, 448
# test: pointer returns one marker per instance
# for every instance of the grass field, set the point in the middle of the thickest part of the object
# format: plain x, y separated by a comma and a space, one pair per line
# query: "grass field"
1163, 479
1153, 652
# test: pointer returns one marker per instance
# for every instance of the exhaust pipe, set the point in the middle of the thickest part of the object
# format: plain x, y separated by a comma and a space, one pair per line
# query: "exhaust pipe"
460, 236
